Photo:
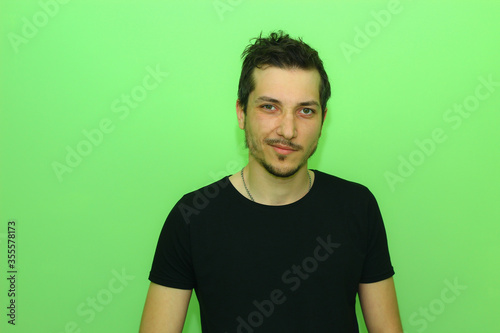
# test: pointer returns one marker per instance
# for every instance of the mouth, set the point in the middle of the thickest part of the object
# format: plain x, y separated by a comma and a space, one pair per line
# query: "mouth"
283, 150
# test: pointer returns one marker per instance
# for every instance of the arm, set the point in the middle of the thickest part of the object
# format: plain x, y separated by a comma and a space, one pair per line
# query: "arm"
165, 309
380, 306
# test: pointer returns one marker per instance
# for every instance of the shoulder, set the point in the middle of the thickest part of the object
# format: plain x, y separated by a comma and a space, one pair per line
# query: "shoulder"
338, 192
205, 199
210, 191
336, 185
339, 195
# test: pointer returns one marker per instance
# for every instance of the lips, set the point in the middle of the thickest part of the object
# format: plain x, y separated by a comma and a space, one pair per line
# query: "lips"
283, 150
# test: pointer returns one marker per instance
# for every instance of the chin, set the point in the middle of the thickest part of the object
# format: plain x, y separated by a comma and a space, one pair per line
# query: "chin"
281, 171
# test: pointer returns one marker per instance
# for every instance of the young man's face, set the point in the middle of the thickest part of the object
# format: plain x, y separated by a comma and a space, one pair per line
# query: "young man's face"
283, 118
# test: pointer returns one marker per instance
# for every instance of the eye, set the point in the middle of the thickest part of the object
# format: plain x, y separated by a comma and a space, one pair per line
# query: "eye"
268, 107
307, 111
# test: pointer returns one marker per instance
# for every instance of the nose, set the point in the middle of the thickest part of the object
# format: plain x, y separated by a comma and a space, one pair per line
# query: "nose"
287, 127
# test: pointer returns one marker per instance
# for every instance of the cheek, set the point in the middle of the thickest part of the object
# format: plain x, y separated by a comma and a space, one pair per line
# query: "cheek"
314, 132
262, 127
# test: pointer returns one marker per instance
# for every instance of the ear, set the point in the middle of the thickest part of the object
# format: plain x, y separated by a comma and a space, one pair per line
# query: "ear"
324, 117
240, 114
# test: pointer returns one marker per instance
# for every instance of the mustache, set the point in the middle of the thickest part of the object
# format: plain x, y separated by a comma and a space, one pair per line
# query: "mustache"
283, 142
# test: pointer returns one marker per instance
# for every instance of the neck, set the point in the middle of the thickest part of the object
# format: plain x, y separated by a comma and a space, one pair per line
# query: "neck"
272, 190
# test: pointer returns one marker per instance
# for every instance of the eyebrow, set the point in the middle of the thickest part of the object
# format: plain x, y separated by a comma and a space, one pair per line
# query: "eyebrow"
273, 100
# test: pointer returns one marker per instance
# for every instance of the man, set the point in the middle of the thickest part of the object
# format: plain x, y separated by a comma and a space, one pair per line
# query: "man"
275, 247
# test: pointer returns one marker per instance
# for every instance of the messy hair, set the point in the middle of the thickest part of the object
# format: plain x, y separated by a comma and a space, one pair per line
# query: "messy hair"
279, 50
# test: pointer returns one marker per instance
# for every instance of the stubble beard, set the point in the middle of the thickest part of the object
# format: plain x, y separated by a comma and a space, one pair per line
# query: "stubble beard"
275, 171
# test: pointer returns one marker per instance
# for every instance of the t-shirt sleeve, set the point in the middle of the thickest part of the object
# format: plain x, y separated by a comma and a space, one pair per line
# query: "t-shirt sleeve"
377, 265
172, 264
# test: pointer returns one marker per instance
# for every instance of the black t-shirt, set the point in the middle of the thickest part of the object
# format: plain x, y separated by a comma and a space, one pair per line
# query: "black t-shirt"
258, 268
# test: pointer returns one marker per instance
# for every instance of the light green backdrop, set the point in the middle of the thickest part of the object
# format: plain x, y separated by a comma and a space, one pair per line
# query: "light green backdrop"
95, 149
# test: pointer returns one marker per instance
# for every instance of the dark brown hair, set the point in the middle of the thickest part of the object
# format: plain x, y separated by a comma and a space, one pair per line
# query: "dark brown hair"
279, 50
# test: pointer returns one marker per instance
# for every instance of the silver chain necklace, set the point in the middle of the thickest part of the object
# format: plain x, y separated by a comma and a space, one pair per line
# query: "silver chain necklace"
250, 195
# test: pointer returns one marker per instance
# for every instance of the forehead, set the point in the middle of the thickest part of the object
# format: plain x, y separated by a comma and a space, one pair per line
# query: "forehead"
287, 84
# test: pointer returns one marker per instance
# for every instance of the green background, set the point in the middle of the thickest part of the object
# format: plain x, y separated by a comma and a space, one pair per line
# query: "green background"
67, 67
